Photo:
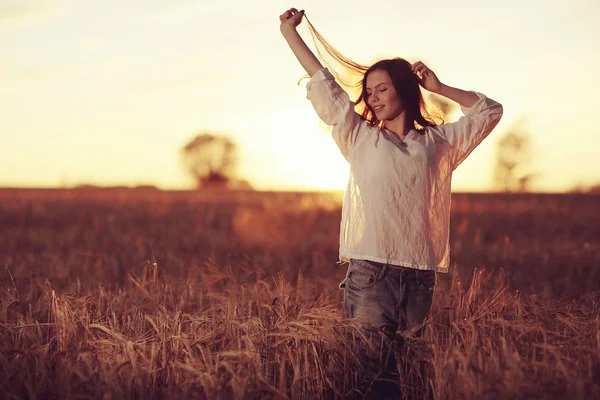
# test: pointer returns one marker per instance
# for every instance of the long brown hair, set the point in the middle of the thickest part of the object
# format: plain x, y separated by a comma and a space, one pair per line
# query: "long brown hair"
420, 112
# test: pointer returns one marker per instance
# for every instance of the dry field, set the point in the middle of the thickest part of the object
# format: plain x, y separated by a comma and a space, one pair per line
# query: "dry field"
147, 294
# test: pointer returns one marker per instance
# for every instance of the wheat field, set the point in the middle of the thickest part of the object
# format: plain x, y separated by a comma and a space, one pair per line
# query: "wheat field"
116, 294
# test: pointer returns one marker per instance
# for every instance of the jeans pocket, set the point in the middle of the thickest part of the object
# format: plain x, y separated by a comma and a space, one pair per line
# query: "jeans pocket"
426, 281
362, 275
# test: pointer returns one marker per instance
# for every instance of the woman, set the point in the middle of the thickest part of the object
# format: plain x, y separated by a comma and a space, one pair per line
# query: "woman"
396, 211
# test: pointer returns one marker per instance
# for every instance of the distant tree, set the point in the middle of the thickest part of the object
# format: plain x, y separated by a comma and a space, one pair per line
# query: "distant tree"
212, 161
595, 189
512, 172
581, 188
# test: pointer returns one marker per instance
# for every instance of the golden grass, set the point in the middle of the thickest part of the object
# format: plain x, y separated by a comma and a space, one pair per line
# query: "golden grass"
164, 297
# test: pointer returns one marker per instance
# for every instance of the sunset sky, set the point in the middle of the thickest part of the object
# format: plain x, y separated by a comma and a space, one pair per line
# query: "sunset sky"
107, 92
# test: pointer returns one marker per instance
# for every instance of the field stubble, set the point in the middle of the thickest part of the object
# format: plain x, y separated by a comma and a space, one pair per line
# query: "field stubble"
119, 294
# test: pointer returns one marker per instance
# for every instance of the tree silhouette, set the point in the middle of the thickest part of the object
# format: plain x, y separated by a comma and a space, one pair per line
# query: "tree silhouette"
512, 172
581, 188
595, 189
211, 160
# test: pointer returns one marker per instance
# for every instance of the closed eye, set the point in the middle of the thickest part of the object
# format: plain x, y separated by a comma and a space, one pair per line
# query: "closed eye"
382, 90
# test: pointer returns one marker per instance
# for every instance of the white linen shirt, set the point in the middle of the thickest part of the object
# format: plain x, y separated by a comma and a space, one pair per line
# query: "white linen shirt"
396, 207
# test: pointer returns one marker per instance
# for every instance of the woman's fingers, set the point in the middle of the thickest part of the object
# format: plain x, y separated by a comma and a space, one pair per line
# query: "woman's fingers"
291, 17
419, 72
288, 14
420, 69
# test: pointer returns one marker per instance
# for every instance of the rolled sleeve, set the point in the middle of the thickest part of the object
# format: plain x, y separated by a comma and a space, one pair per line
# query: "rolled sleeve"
468, 132
334, 108
319, 76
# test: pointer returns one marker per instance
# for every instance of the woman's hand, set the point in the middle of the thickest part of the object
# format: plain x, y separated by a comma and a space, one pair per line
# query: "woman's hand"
427, 77
291, 18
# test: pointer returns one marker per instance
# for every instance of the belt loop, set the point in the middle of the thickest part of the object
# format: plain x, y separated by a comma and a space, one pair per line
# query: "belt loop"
418, 277
382, 271
402, 274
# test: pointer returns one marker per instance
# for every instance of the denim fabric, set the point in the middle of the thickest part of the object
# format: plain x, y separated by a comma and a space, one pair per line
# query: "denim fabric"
386, 300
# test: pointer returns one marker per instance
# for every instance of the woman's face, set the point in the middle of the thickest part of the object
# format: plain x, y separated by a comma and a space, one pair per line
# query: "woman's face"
382, 97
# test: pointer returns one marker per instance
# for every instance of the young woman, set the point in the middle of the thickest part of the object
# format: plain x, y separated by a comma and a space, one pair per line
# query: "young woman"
396, 211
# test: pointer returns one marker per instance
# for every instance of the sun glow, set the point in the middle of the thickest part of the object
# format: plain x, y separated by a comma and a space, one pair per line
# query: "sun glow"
310, 159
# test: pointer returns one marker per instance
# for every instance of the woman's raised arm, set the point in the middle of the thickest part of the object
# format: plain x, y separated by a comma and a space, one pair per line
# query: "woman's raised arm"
289, 21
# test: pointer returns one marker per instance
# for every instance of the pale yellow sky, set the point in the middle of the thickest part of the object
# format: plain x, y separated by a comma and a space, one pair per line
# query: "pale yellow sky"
107, 91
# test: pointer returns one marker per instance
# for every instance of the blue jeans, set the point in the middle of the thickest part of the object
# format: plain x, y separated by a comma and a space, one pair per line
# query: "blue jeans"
385, 299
